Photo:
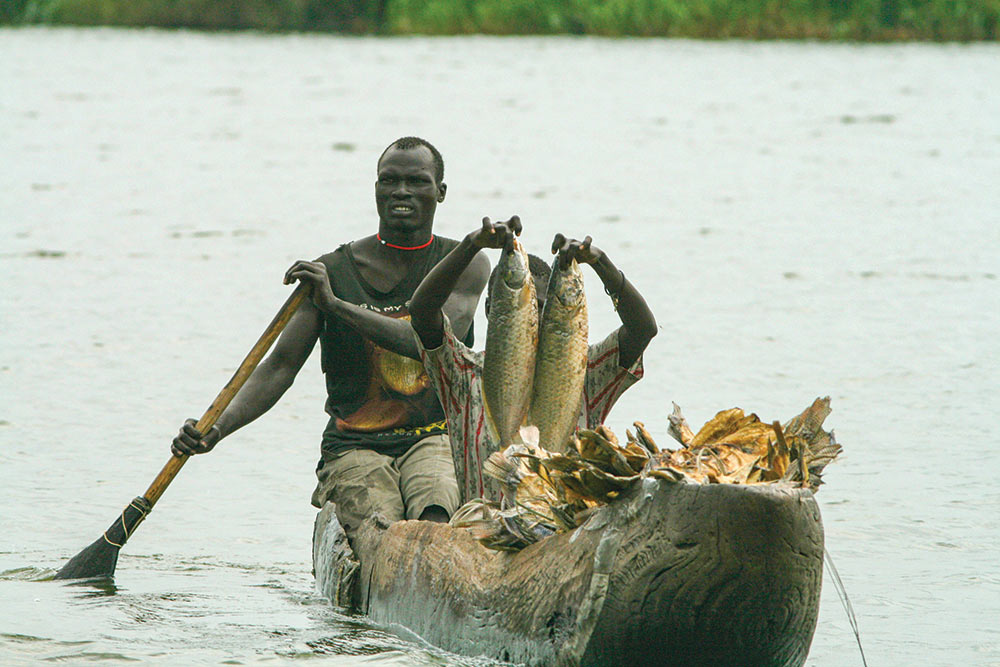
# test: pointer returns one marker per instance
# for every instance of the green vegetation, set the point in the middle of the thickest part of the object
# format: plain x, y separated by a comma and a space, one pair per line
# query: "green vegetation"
353, 16
755, 19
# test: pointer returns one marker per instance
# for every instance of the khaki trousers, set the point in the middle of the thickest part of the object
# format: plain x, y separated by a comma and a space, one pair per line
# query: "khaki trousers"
361, 482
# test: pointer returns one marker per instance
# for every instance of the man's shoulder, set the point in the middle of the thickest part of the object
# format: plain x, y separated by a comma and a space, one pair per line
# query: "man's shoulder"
442, 246
341, 254
448, 241
476, 273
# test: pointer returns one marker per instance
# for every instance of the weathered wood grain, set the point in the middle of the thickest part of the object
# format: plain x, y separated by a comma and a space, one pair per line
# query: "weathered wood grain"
673, 574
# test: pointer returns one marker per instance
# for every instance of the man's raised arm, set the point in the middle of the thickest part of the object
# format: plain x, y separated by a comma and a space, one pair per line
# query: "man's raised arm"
464, 265
638, 324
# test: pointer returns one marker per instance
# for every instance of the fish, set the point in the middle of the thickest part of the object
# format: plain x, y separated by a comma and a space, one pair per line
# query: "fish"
546, 493
511, 345
525, 514
724, 424
679, 428
561, 361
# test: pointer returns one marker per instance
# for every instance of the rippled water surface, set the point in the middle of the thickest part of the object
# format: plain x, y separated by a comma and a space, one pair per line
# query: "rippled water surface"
804, 219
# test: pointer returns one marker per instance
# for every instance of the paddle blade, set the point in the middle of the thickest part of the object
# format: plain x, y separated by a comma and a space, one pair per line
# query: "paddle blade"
101, 557
97, 560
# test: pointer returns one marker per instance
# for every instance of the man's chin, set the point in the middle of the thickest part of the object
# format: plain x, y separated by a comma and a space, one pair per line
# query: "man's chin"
407, 223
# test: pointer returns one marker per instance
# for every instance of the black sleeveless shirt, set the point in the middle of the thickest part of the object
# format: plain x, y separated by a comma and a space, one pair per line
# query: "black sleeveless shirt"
376, 399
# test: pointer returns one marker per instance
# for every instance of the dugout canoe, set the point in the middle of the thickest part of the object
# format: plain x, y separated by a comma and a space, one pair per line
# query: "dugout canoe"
669, 574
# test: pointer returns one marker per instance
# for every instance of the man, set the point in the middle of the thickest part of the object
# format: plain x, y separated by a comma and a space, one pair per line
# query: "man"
385, 448
614, 364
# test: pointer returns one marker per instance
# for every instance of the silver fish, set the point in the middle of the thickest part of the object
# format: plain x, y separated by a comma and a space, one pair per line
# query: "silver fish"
561, 362
511, 343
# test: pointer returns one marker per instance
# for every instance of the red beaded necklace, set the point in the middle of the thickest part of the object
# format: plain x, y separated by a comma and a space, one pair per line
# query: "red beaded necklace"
403, 247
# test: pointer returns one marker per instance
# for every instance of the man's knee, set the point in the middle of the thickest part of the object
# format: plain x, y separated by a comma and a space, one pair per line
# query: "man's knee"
360, 483
435, 513
427, 479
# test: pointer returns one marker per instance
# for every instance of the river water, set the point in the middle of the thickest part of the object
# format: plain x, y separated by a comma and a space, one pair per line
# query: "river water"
804, 219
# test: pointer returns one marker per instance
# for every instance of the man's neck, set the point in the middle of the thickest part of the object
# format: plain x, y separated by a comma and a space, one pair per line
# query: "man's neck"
396, 246
404, 239
382, 266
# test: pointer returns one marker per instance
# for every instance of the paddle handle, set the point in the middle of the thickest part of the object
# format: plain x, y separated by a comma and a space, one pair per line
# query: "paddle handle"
228, 392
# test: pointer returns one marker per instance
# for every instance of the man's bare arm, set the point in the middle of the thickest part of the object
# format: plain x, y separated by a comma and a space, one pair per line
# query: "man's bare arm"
638, 324
462, 271
461, 305
390, 333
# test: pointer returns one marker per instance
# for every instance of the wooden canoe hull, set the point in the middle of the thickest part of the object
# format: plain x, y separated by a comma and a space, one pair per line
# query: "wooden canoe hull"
672, 574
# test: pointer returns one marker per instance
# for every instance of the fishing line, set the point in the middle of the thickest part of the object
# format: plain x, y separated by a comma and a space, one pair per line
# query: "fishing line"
845, 601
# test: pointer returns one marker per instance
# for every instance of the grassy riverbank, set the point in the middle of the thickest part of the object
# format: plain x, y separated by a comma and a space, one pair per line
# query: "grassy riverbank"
874, 20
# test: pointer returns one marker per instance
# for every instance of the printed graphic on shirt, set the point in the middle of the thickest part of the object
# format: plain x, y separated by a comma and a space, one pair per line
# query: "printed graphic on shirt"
398, 392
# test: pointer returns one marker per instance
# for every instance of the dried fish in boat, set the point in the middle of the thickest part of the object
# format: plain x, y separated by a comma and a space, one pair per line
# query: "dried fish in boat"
643, 437
679, 428
546, 492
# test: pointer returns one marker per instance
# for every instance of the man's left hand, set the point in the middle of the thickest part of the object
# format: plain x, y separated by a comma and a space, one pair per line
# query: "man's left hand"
496, 234
569, 249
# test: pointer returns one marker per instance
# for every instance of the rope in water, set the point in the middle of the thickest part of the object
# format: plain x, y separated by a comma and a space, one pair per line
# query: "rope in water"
845, 601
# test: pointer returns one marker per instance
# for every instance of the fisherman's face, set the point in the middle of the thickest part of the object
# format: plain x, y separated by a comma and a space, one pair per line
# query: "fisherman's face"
407, 192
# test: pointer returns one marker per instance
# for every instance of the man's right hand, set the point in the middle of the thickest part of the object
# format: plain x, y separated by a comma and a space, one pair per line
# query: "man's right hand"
313, 274
496, 235
191, 441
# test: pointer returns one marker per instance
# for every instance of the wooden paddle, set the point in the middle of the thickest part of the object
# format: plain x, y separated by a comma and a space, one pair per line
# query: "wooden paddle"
101, 557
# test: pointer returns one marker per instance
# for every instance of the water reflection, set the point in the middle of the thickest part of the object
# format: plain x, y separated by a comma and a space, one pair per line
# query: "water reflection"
98, 587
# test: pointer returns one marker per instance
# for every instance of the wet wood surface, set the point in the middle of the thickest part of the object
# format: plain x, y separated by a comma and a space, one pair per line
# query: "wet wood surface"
675, 574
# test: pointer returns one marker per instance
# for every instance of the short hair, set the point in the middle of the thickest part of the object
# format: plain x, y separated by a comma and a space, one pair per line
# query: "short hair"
409, 143
537, 266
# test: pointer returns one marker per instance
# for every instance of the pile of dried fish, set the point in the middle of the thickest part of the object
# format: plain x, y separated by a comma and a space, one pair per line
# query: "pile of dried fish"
546, 492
